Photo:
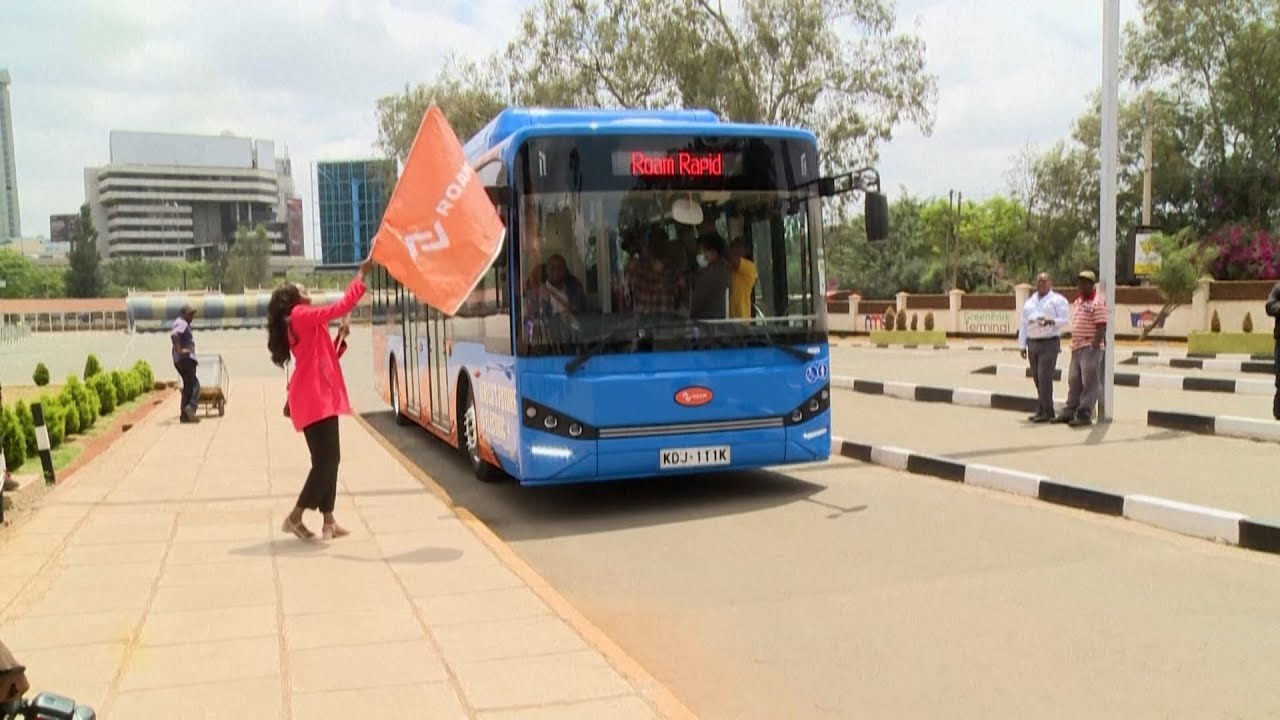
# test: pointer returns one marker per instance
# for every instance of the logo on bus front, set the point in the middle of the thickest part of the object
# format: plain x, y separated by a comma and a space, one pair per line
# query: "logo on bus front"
693, 396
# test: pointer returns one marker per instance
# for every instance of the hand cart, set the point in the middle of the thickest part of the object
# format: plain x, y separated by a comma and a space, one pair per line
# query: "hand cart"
215, 383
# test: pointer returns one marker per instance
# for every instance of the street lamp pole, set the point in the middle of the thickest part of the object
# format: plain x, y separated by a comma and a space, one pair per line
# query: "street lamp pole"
1107, 240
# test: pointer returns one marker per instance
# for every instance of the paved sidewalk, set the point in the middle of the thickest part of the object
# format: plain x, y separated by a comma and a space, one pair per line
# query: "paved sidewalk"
156, 583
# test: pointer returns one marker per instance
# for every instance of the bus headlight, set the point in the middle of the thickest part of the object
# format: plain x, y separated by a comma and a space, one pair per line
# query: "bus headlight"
544, 419
813, 406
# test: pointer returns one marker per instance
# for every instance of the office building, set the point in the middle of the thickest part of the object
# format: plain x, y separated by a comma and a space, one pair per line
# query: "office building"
10, 222
352, 195
177, 197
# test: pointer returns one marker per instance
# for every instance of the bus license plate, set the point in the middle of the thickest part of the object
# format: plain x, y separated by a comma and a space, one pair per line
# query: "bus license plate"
695, 457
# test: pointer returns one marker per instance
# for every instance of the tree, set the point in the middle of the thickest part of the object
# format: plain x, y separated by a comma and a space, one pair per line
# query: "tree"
249, 259
772, 61
1183, 260
1221, 63
84, 276
466, 93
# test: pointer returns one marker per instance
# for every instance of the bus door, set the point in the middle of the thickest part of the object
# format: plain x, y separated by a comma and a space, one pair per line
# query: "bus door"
437, 328
412, 352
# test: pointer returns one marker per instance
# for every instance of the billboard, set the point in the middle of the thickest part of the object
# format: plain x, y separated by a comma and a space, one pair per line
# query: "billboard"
1146, 259
295, 227
64, 228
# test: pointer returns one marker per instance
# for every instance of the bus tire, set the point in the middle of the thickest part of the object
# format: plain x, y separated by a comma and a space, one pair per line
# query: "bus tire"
396, 410
468, 437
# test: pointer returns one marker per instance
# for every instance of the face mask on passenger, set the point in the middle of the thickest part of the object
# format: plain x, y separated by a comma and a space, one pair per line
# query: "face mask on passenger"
702, 260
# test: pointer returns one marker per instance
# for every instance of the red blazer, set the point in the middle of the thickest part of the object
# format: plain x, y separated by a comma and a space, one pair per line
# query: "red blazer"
317, 390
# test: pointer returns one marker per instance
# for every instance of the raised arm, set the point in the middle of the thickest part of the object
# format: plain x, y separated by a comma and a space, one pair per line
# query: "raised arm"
325, 314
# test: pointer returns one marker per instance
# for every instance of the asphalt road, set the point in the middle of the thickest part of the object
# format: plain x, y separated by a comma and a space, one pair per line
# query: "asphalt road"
844, 590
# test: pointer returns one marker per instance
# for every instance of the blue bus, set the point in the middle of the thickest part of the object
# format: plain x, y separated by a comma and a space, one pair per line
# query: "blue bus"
600, 345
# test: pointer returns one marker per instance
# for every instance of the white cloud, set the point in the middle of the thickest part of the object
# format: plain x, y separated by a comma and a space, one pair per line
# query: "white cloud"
306, 73
1008, 74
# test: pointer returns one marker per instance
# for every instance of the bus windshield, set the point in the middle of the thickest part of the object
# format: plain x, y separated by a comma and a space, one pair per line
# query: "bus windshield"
610, 233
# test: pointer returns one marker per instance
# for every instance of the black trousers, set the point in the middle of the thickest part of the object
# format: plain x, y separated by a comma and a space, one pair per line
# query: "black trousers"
1043, 355
321, 490
186, 368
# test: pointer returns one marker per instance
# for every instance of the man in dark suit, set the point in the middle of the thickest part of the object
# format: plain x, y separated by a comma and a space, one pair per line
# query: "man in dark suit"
1273, 309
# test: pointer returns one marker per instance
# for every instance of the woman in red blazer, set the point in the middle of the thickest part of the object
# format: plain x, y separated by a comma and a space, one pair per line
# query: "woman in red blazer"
317, 391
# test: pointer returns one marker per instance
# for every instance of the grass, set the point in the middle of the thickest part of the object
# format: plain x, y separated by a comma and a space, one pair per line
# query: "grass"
72, 447
908, 337
1237, 343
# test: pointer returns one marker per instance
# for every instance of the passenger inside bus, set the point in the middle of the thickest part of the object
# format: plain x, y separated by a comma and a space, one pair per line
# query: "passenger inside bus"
742, 280
651, 286
711, 286
559, 292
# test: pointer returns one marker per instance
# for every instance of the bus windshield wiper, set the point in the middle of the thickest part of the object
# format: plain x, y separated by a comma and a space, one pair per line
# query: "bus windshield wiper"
622, 332
773, 341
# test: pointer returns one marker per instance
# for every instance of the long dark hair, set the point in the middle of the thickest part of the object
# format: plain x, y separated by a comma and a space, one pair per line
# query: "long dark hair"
278, 331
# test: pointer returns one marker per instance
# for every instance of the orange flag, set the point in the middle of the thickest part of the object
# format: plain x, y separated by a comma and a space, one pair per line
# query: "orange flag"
440, 233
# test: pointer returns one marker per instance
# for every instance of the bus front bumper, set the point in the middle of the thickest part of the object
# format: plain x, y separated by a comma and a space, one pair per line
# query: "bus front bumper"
551, 459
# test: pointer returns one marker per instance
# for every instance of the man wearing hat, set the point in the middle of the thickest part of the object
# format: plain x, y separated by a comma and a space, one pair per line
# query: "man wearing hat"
1088, 333
184, 361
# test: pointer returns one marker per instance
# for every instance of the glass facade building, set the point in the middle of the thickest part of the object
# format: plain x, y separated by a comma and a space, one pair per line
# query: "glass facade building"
352, 195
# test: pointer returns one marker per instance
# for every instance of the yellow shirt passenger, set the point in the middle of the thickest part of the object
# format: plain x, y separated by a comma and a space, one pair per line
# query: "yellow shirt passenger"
742, 279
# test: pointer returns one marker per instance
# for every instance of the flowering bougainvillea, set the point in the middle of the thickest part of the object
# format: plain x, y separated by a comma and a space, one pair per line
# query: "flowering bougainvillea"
1245, 253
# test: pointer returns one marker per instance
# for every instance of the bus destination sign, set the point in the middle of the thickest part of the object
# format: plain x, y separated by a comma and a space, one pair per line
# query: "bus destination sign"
679, 164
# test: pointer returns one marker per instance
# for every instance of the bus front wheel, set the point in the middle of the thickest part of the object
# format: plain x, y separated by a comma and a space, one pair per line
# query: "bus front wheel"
469, 438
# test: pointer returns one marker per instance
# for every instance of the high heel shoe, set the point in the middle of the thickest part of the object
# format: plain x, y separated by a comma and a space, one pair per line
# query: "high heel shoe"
298, 529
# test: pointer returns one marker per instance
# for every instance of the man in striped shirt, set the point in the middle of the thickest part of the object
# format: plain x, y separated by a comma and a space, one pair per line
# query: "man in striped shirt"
1088, 331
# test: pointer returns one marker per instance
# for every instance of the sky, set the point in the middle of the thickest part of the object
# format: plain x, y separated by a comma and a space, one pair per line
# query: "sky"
307, 74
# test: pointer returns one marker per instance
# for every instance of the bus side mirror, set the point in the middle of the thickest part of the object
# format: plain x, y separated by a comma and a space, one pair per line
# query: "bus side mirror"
876, 212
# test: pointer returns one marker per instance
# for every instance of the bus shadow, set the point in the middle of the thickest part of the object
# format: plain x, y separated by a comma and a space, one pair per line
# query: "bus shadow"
525, 513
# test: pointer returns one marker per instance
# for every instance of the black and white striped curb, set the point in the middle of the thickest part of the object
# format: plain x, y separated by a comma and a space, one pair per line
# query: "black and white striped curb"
968, 397
1203, 356
1224, 425
1184, 518
1260, 367
1155, 380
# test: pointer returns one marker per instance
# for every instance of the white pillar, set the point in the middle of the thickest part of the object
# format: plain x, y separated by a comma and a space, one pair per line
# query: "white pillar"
1107, 241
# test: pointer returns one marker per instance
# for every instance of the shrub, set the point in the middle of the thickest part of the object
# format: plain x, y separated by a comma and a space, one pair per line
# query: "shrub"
133, 384
915, 322
1215, 324
144, 372
122, 390
55, 420
1248, 322
900, 321
41, 375
27, 422
91, 366
85, 401
928, 320
15, 447
105, 389
1245, 253
70, 416
89, 404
